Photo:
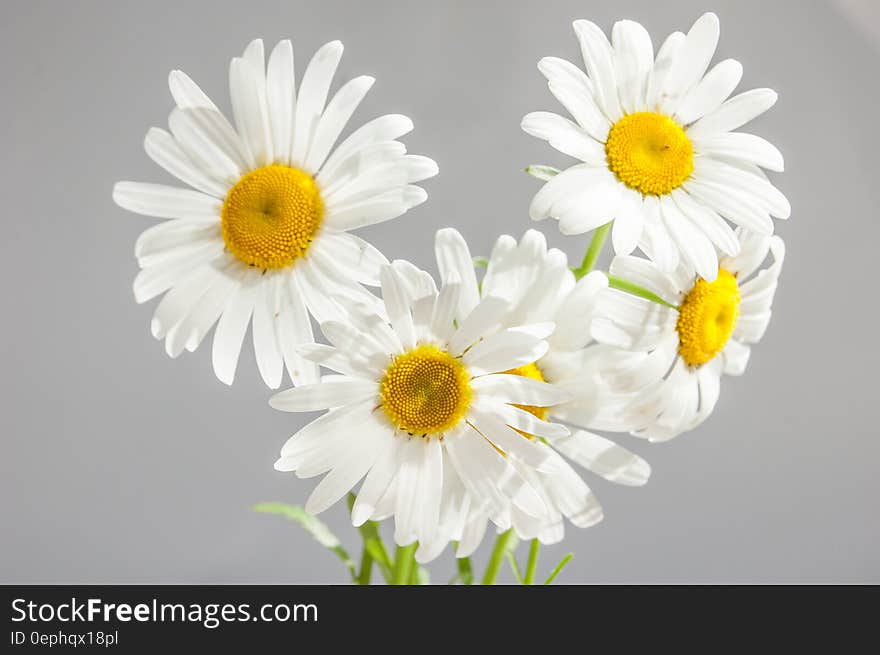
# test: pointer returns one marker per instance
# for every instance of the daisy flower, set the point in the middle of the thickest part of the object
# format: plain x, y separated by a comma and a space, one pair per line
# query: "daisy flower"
263, 234
678, 351
419, 399
538, 285
655, 135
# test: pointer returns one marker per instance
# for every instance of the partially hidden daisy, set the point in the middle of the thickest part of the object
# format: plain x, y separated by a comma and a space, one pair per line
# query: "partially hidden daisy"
419, 399
538, 286
262, 235
657, 141
675, 353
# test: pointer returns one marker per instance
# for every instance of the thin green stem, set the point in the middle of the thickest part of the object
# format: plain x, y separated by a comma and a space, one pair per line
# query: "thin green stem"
532, 565
366, 570
404, 561
465, 572
565, 560
373, 546
515, 567
501, 547
593, 251
635, 290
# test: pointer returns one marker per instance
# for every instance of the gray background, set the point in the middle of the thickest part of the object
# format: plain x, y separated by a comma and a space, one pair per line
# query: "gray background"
121, 465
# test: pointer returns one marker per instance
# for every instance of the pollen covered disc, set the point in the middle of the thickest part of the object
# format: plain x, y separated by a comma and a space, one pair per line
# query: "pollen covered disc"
649, 152
271, 215
425, 391
707, 317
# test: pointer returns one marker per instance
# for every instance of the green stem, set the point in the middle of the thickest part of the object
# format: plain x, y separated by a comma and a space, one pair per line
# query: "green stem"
636, 290
366, 570
515, 567
533, 562
404, 560
593, 251
465, 572
373, 547
565, 560
497, 557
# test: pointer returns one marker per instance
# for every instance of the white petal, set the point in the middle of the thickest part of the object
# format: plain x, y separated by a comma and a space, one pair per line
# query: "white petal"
323, 395
379, 130
209, 140
736, 357
481, 322
742, 180
454, 258
596, 51
694, 245
576, 313
150, 282
633, 60
503, 437
443, 314
628, 222
170, 235
605, 458
691, 61
733, 207
355, 258
281, 99
163, 149
231, 329
592, 208
489, 477
742, 146
398, 307
164, 201
734, 113
707, 221
377, 209
519, 390
666, 56
710, 92
267, 307
334, 119
362, 453
312, 96
247, 88
187, 93
377, 481
565, 136
506, 350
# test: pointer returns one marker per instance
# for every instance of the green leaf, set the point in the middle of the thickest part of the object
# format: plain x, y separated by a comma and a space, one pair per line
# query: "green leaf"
318, 529
542, 172
565, 560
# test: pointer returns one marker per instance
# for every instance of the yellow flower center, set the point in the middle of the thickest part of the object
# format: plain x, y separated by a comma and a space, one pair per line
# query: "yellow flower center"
271, 215
707, 317
425, 391
530, 371
649, 152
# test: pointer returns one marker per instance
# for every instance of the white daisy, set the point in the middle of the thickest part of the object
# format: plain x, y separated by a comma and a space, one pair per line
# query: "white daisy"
657, 141
419, 400
678, 353
538, 286
262, 235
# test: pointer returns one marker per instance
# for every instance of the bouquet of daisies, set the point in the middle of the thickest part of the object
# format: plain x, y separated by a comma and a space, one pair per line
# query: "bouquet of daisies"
472, 401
